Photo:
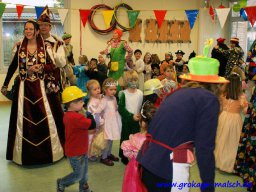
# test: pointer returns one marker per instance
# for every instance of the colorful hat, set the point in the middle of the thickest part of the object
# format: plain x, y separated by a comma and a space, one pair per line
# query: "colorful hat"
234, 39
180, 52
221, 40
45, 16
204, 69
66, 36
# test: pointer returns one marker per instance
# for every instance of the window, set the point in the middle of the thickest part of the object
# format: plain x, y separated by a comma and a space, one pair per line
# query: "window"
12, 28
243, 29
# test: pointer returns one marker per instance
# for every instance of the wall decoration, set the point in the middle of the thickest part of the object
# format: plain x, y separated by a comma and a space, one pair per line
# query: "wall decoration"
163, 32
134, 34
185, 32
174, 31
151, 31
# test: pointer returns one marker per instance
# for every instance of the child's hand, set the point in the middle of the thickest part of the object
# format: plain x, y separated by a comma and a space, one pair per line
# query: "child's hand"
86, 68
136, 117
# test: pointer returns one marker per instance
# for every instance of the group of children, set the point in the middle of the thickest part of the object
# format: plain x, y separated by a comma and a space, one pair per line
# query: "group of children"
123, 116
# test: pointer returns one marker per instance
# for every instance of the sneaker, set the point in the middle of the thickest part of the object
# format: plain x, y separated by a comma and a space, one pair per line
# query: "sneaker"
113, 158
86, 188
107, 162
59, 189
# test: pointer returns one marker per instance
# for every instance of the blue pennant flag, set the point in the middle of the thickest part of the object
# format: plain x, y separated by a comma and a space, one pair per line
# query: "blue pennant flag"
191, 15
39, 11
243, 14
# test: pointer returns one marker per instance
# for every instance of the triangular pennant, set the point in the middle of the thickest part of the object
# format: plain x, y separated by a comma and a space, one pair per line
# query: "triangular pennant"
108, 14
222, 15
211, 12
2, 8
243, 14
62, 14
160, 14
39, 11
251, 14
19, 9
191, 15
84, 15
221, 6
132, 15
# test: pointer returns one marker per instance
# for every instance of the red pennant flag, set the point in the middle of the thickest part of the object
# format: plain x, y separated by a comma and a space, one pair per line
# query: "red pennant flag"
160, 14
211, 12
221, 6
251, 14
84, 15
19, 9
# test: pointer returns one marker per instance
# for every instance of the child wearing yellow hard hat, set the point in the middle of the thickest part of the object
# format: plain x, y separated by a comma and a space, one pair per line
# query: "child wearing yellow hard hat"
76, 139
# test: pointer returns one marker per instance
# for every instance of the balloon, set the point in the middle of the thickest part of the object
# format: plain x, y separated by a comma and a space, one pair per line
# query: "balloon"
236, 7
242, 3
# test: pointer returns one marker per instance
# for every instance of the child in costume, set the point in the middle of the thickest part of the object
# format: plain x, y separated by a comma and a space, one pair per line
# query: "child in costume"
167, 61
147, 64
139, 68
155, 66
102, 67
112, 119
153, 91
179, 62
76, 139
169, 82
230, 124
93, 73
130, 101
132, 146
79, 71
95, 96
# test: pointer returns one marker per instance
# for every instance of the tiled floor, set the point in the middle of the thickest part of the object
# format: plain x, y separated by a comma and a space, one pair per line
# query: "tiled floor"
14, 178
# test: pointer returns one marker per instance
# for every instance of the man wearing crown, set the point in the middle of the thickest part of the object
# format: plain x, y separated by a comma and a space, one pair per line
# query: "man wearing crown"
54, 45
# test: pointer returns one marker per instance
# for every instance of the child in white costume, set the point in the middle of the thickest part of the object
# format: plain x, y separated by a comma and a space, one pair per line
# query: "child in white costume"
139, 67
130, 101
112, 120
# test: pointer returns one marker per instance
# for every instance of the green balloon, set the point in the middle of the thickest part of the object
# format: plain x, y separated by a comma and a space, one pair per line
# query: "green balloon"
236, 8
242, 3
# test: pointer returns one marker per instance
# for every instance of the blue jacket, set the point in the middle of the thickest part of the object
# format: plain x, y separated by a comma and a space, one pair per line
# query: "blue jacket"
188, 114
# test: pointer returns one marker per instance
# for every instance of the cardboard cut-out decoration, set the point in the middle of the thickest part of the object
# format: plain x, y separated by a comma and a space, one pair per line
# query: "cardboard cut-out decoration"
163, 32
151, 31
174, 31
134, 34
185, 32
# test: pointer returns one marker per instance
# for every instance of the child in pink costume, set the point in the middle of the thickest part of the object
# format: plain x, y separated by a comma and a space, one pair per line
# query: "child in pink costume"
94, 91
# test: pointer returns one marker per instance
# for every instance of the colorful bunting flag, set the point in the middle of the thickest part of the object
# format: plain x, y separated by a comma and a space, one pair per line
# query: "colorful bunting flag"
84, 15
39, 11
2, 8
222, 15
191, 15
243, 14
132, 16
251, 14
108, 15
211, 12
160, 14
62, 14
19, 9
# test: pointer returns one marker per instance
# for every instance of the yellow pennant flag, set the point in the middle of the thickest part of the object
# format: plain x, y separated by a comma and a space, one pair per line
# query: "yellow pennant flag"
108, 14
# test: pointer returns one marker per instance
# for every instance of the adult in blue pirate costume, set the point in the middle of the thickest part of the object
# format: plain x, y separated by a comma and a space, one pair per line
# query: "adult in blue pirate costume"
36, 131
